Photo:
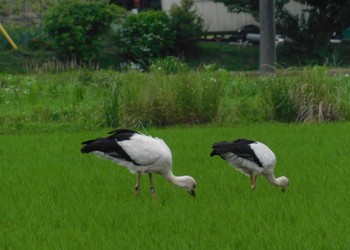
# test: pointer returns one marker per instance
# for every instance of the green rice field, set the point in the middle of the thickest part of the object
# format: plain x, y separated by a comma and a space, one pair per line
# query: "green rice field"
54, 197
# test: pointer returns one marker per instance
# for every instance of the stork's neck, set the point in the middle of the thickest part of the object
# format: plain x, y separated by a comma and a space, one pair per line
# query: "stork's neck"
275, 181
176, 180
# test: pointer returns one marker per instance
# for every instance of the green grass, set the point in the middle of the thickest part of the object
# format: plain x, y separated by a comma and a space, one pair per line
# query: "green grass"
52, 196
17, 62
85, 99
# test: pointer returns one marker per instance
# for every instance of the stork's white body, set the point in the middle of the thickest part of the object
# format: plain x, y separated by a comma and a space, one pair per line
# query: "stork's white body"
252, 158
248, 167
140, 154
152, 155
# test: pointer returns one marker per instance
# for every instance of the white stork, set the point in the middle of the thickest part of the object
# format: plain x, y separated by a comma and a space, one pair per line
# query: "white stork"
140, 154
251, 158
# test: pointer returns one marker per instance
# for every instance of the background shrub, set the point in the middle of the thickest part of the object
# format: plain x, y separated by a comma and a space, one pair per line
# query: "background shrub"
187, 24
77, 27
146, 36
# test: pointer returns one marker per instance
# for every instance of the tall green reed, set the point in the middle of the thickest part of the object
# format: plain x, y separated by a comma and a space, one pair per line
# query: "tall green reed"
89, 99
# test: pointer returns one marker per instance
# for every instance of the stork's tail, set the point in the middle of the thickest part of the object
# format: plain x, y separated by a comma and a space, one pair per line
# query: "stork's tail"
221, 147
213, 153
88, 146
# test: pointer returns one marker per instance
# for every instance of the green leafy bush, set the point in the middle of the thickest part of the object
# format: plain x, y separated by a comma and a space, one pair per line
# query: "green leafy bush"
77, 27
146, 36
187, 24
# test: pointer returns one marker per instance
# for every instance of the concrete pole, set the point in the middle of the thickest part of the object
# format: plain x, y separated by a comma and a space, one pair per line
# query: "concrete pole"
267, 37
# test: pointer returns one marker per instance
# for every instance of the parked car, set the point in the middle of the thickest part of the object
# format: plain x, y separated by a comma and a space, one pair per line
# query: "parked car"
247, 29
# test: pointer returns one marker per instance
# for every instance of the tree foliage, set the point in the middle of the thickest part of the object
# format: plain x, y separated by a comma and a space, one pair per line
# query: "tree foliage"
249, 6
77, 27
311, 29
187, 24
28, 8
146, 36
150, 35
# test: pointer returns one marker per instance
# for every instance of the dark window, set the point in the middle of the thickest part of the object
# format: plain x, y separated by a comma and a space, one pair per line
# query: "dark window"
138, 4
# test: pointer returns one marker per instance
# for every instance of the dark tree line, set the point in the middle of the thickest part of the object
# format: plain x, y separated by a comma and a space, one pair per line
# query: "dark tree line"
310, 30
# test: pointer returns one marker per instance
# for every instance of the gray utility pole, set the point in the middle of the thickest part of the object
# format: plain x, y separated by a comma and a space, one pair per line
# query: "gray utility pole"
267, 37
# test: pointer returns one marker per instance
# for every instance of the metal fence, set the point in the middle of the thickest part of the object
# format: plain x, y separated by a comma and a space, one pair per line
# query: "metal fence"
22, 30
22, 18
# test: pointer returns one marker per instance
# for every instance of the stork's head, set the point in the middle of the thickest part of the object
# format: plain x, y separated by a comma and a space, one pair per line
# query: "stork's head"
190, 185
284, 182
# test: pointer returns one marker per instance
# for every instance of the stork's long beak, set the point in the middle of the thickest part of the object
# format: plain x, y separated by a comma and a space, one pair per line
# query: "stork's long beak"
192, 193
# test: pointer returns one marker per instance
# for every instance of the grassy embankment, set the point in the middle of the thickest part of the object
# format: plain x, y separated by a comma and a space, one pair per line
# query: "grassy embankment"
82, 99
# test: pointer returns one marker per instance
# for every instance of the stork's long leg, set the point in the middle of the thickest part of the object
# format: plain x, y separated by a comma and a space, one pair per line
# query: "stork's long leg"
137, 186
152, 187
253, 181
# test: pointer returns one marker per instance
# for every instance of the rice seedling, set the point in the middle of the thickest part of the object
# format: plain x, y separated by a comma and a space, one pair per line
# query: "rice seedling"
52, 196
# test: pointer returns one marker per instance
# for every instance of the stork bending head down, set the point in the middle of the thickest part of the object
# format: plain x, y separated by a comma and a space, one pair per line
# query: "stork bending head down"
252, 158
141, 154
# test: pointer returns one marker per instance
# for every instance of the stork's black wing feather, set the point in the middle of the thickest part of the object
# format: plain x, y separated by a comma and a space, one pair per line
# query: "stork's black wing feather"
122, 134
240, 147
109, 146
